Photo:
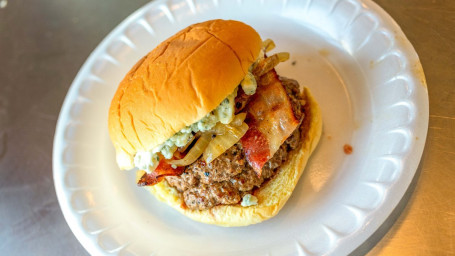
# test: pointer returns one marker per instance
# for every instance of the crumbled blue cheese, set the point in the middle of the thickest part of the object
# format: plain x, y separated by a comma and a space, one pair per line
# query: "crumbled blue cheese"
249, 200
225, 111
146, 160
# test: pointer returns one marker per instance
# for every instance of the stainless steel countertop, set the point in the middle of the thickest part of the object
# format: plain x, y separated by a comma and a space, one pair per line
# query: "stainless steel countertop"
44, 43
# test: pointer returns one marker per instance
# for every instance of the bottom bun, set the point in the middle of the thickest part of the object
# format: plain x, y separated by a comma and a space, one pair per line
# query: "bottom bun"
271, 196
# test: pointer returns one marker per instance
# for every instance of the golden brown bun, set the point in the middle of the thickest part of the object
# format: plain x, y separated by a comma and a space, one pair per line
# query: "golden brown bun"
178, 83
271, 197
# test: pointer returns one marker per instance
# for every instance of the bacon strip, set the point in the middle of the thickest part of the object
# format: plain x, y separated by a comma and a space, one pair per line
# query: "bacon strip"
256, 146
163, 169
271, 121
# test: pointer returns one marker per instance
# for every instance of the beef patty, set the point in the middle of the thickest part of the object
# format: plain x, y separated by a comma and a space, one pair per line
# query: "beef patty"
228, 177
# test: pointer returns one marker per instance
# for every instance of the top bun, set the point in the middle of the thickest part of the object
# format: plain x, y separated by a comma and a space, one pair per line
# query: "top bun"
178, 83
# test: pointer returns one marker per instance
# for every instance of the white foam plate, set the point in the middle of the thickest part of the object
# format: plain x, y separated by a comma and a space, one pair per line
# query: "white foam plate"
358, 64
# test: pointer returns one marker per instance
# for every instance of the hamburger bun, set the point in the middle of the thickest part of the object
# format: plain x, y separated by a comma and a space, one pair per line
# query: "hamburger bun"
271, 195
178, 83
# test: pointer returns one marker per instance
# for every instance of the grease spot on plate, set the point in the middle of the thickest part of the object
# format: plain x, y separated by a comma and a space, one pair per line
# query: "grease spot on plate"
371, 64
347, 149
324, 52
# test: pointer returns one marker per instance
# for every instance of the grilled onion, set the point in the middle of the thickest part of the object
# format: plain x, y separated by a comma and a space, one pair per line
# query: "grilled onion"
223, 142
218, 129
265, 65
268, 45
283, 56
183, 149
238, 119
195, 152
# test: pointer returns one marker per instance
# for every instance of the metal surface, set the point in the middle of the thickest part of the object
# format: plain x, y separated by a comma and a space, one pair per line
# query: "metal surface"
426, 226
44, 43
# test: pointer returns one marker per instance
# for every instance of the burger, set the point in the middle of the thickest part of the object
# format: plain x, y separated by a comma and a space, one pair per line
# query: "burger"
211, 128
